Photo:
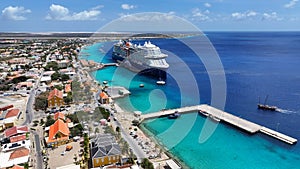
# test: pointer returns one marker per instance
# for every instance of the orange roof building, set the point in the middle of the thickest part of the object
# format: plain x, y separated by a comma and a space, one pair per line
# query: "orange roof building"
59, 115
55, 98
58, 133
103, 98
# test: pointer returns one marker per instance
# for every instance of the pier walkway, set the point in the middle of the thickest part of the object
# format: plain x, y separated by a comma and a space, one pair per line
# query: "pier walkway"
220, 115
110, 64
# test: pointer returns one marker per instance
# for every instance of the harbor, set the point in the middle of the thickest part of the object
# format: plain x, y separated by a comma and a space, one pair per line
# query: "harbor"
215, 113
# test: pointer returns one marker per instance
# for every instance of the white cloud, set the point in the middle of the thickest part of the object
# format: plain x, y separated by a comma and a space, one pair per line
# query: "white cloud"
208, 5
271, 16
148, 16
58, 12
127, 6
197, 14
291, 4
15, 13
244, 15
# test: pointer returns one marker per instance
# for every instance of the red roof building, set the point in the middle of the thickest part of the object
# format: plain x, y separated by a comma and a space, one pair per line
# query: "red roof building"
14, 139
6, 107
21, 152
16, 130
12, 113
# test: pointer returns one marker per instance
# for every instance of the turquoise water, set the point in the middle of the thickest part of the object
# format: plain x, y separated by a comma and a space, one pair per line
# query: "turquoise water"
228, 147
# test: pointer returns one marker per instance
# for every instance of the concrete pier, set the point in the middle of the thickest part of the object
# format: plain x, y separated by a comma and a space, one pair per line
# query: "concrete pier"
215, 113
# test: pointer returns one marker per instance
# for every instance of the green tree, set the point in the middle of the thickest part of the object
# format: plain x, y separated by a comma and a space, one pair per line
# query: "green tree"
96, 130
117, 129
146, 164
51, 66
49, 121
41, 101
73, 118
76, 130
68, 99
55, 76
59, 87
65, 77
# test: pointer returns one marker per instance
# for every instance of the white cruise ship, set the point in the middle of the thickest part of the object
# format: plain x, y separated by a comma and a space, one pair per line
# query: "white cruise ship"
144, 59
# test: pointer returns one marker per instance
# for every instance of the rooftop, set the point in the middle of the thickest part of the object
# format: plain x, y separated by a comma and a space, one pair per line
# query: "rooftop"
55, 92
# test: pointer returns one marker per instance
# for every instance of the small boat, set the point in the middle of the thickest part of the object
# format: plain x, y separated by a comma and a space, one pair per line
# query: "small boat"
161, 82
203, 112
141, 85
265, 106
175, 115
104, 82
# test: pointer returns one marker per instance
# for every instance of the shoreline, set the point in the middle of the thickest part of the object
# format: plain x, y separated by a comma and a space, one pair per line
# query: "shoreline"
144, 134
151, 136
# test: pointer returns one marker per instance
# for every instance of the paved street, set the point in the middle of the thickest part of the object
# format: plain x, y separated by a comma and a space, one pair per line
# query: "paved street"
38, 152
136, 149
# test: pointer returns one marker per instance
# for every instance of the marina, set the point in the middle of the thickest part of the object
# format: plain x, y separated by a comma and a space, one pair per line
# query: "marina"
215, 113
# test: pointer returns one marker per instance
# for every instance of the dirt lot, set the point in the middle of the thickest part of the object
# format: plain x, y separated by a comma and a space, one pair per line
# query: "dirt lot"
56, 159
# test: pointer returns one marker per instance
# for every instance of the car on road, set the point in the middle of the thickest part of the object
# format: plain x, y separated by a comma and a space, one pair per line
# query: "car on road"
63, 153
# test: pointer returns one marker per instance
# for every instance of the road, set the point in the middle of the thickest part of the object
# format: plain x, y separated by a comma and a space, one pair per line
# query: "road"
30, 102
39, 157
29, 108
136, 149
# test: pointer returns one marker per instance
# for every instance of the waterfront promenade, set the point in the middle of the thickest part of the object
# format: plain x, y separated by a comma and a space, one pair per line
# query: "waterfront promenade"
220, 115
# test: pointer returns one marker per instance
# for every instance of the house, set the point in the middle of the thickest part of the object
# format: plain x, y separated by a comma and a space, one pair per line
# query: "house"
104, 150
12, 113
16, 130
58, 133
55, 98
8, 117
103, 98
17, 156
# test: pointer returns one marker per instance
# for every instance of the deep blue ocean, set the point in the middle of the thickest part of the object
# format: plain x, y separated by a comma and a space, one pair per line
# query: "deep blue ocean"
256, 64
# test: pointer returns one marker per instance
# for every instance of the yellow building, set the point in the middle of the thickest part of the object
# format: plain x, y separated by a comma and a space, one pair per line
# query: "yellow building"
105, 150
55, 98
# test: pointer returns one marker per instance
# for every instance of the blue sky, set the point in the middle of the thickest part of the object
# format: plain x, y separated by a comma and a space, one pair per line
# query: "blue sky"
90, 15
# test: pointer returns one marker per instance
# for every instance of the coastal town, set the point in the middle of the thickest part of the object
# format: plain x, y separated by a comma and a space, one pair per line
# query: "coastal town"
55, 115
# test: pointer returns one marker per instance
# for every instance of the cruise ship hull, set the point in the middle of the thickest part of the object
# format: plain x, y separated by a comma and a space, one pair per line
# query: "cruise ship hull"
141, 69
